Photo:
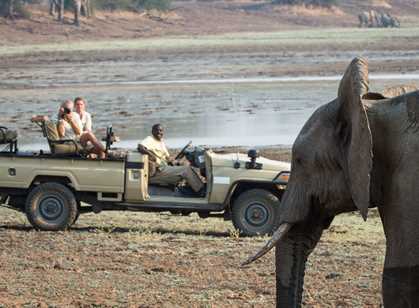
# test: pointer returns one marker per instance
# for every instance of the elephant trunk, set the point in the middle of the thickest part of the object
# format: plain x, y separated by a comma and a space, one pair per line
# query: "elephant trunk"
290, 261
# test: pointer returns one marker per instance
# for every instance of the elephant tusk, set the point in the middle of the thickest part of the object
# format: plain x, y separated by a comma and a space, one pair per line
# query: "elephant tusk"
276, 237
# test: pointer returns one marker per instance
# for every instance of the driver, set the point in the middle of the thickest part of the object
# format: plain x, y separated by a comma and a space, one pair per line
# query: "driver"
166, 172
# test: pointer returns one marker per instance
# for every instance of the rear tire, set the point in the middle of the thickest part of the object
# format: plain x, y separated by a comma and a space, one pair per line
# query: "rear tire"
255, 212
51, 207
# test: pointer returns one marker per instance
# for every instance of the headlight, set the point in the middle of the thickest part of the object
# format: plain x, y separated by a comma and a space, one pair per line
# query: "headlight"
282, 178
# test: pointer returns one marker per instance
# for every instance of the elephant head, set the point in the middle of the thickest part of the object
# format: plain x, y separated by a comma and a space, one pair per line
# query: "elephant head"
395, 22
330, 174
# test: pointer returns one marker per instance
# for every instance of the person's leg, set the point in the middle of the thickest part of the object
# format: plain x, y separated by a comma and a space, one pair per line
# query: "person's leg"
193, 180
98, 147
170, 175
174, 174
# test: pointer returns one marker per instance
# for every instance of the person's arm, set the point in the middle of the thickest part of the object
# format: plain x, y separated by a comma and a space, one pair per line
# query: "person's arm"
143, 150
73, 123
75, 127
39, 118
61, 128
88, 122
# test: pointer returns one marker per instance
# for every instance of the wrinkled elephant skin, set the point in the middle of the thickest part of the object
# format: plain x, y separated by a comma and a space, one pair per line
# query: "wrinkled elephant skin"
359, 151
400, 286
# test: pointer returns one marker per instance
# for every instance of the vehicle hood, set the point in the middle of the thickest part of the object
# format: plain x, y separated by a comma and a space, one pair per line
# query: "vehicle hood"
228, 160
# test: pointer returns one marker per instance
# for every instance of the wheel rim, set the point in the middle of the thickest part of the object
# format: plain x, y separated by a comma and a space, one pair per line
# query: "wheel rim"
256, 214
51, 207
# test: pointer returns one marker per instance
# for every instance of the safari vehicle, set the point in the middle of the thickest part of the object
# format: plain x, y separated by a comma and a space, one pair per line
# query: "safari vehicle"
54, 187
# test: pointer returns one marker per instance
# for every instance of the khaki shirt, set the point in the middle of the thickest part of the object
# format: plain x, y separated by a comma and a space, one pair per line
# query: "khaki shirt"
158, 148
68, 130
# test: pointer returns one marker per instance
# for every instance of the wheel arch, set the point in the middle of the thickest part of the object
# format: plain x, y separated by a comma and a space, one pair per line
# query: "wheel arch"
40, 179
239, 187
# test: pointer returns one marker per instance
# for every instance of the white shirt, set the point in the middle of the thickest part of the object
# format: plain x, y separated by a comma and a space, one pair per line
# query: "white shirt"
86, 121
158, 148
68, 130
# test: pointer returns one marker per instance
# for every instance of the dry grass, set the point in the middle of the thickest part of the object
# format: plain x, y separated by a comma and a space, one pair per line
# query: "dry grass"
310, 11
298, 39
154, 260
381, 4
191, 19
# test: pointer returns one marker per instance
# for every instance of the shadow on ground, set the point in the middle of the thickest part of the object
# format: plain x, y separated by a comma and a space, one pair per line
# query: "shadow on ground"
124, 230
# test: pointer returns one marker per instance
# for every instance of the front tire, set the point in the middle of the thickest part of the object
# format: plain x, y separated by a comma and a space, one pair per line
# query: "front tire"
255, 212
51, 207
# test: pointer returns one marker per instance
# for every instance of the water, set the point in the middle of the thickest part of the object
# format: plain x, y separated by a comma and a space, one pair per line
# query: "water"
250, 113
285, 79
219, 99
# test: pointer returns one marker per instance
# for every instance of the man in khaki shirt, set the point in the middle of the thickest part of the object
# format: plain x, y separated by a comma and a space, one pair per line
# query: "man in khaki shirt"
166, 173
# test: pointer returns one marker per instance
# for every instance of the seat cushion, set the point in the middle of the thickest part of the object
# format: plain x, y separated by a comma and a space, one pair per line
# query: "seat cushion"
51, 131
66, 148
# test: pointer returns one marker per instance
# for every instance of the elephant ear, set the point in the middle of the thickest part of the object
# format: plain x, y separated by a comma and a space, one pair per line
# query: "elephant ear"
354, 133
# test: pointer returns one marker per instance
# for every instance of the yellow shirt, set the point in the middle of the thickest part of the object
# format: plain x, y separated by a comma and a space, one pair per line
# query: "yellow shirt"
158, 148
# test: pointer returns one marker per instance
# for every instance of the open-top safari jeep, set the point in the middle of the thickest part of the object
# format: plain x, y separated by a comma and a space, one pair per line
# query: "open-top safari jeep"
54, 187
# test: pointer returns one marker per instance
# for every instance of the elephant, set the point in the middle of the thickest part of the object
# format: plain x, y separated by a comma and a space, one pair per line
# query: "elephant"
357, 152
374, 19
394, 22
389, 21
364, 19
369, 19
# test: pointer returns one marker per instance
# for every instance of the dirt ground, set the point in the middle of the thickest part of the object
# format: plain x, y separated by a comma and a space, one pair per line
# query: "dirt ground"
132, 259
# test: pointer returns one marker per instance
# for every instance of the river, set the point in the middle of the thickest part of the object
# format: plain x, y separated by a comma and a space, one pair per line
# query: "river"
245, 112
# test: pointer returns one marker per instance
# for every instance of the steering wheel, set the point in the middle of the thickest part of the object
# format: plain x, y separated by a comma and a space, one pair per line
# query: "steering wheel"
182, 152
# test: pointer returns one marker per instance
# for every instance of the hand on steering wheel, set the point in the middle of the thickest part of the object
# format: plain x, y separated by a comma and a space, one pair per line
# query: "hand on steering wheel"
182, 152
